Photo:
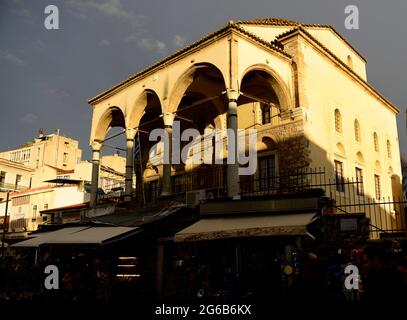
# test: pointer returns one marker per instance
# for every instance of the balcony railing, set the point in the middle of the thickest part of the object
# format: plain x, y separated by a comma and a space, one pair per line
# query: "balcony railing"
4, 187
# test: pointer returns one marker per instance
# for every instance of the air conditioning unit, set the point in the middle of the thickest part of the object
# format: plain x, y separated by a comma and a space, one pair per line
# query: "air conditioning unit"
194, 198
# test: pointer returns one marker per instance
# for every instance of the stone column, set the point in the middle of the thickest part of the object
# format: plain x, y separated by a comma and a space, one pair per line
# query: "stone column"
233, 165
96, 147
166, 178
128, 187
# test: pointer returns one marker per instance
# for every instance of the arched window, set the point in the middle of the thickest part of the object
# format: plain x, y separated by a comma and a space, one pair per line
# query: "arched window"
376, 142
357, 130
338, 121
388, 149
265, 113
350, 62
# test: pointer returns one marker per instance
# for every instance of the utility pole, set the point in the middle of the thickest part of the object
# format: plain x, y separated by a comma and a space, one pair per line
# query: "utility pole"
5, 226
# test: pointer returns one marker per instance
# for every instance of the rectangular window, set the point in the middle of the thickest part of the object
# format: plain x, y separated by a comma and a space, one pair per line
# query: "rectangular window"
2, 177
178, 184
18, 180
265, 113
267, 172
46, 206
34, 215
339, 177
359, 182
377, 186
65, 159
154, 191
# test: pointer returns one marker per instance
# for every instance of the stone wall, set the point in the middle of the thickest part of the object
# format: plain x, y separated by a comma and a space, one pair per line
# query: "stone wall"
290, 142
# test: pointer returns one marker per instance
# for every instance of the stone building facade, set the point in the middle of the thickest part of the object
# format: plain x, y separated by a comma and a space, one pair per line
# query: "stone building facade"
302, 87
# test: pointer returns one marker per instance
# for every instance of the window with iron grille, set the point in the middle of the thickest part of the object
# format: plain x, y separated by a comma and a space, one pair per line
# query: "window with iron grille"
377, 186
388, 149
338, 121
267, 172
376, 142
339, 177
2, 178
359, 182
357, 130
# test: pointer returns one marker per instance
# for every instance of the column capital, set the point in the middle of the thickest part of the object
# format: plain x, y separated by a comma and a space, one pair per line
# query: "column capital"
168, 118
232, 94
96, 145
130, 133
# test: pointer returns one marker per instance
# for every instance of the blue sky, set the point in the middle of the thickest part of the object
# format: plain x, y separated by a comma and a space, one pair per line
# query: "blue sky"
46, 76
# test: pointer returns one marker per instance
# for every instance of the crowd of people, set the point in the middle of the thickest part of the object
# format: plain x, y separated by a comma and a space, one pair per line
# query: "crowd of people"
79, 278
381, 275
378, 274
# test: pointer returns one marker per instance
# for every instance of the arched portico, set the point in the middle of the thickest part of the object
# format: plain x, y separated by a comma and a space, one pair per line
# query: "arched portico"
261, 84
112, 117
197, 101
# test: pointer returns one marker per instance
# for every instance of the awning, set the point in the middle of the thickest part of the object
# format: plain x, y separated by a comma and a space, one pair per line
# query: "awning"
96, 236
80, 235
40, 238
247, 226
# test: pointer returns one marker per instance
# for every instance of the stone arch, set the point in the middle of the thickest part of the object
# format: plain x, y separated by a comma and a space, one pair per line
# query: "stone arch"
112, 117
377, 166
150, 119
340, 149
186, 79
140, 107
390, 171
359, 157
266, 143
275, 81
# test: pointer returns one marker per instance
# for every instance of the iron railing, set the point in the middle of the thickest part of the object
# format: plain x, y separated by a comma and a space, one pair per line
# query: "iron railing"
387, 215
11, 187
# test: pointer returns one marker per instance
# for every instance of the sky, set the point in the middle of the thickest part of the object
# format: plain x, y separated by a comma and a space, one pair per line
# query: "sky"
47, 76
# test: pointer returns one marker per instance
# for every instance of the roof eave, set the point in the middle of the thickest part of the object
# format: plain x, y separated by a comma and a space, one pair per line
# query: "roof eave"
302, 31
224, 31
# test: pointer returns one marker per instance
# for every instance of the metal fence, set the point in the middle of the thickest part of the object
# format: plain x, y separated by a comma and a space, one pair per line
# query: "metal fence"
387, 215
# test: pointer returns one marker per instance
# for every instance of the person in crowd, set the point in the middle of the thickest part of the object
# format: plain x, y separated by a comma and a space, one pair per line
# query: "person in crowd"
381, 280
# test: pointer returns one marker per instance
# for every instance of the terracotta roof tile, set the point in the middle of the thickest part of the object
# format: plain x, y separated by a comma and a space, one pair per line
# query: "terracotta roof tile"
270, 21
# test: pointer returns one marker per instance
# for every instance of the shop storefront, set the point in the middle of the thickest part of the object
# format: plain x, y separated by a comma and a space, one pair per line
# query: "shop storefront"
236, 257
